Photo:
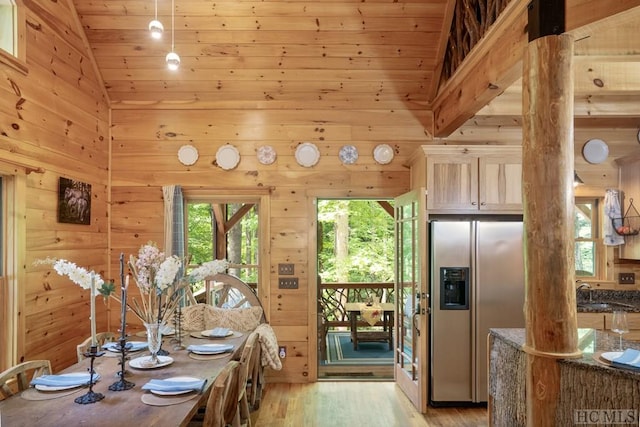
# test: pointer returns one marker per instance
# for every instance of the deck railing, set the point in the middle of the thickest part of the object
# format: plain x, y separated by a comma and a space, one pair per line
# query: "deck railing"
333, 297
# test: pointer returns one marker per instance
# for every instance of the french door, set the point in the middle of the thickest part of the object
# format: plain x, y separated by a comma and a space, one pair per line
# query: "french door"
411, 298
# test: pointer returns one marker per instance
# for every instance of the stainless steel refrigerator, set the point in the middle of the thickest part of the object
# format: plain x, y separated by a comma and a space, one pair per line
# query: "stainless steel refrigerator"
477, 283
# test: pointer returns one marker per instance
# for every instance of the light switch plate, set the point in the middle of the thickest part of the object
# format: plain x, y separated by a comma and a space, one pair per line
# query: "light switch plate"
627, 278
285, 269
288, 283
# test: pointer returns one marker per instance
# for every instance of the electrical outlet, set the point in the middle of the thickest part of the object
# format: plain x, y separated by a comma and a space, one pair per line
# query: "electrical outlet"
285, 269
626, 278
288, 283
282, 352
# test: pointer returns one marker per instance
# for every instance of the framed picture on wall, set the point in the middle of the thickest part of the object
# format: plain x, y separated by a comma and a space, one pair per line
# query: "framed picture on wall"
74, 201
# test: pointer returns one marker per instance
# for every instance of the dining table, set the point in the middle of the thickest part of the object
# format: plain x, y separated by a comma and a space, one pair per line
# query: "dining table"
372, 333
133, 407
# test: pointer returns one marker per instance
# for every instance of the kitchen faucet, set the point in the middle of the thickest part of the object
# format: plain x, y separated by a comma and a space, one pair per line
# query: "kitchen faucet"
584, 285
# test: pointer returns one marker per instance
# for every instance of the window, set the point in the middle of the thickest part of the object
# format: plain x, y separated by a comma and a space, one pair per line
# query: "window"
8, 19
12, 22
588, 245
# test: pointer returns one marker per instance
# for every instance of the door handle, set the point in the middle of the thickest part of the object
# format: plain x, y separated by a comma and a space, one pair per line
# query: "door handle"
413, 319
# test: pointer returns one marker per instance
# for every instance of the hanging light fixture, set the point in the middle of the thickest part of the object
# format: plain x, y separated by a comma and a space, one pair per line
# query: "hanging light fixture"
155, 27
173, 60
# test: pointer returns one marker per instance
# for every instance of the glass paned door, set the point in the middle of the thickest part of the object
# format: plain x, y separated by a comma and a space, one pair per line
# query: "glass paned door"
411, 329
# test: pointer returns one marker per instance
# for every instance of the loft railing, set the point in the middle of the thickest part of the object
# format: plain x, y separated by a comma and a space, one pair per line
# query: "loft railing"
334, 296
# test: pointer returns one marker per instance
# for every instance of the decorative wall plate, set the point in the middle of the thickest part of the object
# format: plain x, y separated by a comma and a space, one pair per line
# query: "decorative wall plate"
188, 155
595, 151
307, 154
266, 155
227, 157
348, 154
383, 154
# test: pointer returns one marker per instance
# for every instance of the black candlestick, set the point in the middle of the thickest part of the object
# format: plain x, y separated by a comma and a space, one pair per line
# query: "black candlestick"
91, 396
122, 384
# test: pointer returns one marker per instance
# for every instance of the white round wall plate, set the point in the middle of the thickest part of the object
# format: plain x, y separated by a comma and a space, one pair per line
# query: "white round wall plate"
383, 154
227, 157
266, 155
307, 154
188, 155
348, 154
595, 151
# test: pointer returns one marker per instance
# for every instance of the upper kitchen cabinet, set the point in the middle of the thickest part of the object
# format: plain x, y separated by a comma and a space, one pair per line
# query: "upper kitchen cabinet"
630, 186
472, 179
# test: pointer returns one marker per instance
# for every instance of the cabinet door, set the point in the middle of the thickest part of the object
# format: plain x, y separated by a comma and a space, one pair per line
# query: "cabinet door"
591, 320
630, 185
500, 182
452, 182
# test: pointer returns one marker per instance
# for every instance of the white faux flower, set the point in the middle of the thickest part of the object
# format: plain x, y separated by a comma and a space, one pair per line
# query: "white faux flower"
77, 275
207, 269
167, 272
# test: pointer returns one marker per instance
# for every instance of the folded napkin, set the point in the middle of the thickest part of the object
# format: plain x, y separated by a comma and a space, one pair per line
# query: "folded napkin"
64, 380
630, 358
175, 385
371, 314
210, 348
131, 345
219, 332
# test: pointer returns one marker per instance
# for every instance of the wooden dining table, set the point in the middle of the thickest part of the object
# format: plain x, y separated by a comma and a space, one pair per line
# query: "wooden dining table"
123, 407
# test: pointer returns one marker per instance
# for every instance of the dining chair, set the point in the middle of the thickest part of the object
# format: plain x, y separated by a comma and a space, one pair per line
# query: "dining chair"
227, 291
255, 380
222, 401
250, 352
15, 379
101, 338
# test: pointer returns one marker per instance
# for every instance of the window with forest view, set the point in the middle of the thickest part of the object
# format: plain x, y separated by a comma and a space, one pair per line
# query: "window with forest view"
234, 236
587, 233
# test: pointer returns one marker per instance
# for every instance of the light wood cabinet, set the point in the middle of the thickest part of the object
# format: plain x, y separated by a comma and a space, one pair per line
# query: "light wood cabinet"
634, 326
474, 179
630, 186
591, 320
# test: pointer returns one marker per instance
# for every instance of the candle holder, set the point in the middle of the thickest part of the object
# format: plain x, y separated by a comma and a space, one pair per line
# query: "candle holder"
177, 323
122, 384
91, 396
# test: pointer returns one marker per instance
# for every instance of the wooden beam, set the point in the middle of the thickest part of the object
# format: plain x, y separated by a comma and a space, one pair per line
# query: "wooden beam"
547, 159
238, 216
495, 63
387, 207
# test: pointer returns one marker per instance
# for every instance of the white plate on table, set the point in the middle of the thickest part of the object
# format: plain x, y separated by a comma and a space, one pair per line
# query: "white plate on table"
213, 349
42, 387
144, 362
175, 393
611, 355
209, 334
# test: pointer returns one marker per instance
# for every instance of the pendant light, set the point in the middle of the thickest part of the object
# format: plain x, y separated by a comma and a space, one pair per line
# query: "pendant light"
173, 60
155, 27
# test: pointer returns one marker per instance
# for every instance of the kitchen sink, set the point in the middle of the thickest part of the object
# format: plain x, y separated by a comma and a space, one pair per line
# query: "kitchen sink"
606, 305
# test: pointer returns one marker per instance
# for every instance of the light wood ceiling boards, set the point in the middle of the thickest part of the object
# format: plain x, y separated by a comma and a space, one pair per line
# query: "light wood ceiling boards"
268, 54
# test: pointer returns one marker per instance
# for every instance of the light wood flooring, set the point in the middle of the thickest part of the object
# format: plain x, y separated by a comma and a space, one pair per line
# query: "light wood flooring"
353, 404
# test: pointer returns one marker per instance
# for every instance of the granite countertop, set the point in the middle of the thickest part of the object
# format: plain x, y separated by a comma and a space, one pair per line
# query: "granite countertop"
629, 300
590, 341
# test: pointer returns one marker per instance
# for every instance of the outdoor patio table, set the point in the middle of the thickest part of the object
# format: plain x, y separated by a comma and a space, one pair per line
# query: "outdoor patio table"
356, 309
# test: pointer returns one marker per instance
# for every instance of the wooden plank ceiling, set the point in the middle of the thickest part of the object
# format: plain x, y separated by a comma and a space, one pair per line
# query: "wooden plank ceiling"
343, 54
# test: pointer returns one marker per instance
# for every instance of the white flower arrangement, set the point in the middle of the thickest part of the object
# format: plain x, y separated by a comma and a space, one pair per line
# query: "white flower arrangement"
78, 275
207, 269
155, 276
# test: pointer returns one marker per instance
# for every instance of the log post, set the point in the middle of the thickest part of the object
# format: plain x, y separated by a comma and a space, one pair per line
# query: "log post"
547, 154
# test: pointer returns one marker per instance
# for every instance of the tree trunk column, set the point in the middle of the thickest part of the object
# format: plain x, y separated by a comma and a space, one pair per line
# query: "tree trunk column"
547, 153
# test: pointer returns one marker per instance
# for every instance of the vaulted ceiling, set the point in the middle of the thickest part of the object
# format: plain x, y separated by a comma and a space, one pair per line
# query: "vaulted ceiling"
364, 54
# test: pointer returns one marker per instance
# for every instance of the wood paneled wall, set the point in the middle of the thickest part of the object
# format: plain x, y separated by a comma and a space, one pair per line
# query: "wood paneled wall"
55, 118
145, 146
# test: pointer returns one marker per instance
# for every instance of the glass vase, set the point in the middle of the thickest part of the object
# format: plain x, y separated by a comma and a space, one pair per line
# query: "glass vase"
154, 340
